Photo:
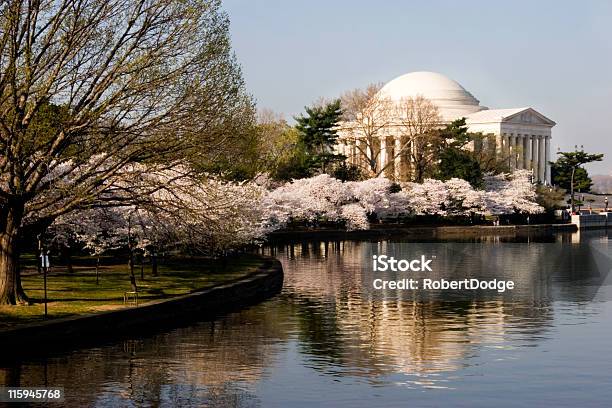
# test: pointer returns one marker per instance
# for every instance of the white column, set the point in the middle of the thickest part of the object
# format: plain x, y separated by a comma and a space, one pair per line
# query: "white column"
535, 156
382, 156
512, 151
524, 158
348, 148
499, 144
520, 151
547, 163
397, 165
528, 160
478, 145
507, 150
541, 159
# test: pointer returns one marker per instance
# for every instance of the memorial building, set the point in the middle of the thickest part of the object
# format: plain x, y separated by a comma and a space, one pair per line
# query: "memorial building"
521, 136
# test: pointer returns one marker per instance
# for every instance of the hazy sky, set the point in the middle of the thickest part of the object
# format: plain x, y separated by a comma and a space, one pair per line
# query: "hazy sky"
554, 56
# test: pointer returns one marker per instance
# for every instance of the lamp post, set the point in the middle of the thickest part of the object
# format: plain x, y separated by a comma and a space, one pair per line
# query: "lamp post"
44, 263
40, 248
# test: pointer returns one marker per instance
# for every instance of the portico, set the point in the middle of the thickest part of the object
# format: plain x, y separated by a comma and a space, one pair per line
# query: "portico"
524, 136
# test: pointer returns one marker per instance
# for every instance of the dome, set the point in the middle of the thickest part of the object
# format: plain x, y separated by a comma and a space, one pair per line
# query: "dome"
452, 99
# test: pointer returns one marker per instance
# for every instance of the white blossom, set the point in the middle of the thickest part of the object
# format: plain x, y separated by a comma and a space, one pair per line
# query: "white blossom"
509, 193
355, 217
209, 214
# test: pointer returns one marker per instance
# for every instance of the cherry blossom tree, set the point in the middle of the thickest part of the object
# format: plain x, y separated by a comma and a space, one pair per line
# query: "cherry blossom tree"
508, 193
427, 198
307, 199
325, 198
98, 230
355, 217
463, 199
206, 214
372, 194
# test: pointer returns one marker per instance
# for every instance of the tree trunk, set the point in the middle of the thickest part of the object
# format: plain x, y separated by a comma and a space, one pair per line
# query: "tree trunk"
154, 263
68, 253
98, 270
131, 268
142, 260
11, 292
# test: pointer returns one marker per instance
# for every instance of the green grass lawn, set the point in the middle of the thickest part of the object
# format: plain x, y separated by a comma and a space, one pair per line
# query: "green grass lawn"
77, 292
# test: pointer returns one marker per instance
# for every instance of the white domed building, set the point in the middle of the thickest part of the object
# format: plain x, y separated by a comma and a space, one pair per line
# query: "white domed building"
522, 135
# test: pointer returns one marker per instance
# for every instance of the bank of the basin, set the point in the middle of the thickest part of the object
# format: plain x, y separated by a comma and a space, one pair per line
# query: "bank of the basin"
386, 231
63, 333
82, 284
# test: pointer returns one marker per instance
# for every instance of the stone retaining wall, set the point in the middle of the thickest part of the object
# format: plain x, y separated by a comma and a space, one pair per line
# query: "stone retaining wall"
62, 333
599, 220
391, 231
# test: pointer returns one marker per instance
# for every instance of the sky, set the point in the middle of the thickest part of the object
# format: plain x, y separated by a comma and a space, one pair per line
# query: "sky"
555, 56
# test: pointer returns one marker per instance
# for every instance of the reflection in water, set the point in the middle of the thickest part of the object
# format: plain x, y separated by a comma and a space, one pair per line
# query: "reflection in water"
212, 362
329, 337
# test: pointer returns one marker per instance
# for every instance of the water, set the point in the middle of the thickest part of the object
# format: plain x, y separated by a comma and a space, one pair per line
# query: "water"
329, 340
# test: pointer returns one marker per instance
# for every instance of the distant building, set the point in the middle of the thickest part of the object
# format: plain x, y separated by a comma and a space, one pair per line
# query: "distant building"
522, 135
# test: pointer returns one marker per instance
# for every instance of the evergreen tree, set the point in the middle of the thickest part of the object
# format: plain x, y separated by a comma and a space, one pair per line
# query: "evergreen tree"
347, 172
561, 175
569, 174
454, 160
318, 134
455, 134
459, 163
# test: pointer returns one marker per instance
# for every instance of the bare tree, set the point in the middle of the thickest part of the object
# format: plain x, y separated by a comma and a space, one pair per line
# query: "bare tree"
418, 118
367, 117
276, 140
89, 88
490, 156
371, 117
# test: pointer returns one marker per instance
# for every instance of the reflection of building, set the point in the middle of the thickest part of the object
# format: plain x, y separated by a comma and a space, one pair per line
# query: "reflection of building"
371, 336
519, 135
